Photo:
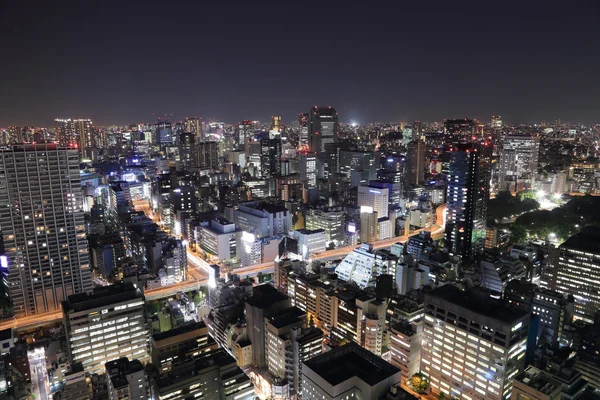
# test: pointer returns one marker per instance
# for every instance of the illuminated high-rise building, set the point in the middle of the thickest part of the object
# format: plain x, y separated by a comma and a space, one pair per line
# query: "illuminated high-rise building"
14, 135
163, 133
415, 162
43, 228
518, 162
496, 122
194, 126
75, 132
106, 324
323, 128
245, 130
303, 137
458, 131
308, 169
276, 123
576, 272
207, 155
467, 197
472, 345
270, 157
187, 150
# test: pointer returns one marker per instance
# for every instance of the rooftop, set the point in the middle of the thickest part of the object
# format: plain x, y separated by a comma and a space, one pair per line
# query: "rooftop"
349, 361
586, 240
101, 296
178, 331
263, 296
478, 301
536, 379
287, 317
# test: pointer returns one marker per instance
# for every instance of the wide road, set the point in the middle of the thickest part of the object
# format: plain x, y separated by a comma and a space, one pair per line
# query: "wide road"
436, 230
198, 270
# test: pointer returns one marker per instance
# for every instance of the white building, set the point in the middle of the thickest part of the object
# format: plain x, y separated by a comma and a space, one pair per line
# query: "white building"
263, 219
518, 162
308, 169
421, 218
363, 265
376, 198
310, 242
472, 345
331, 220
405, 342
106, 324
250, 249
42, 223
219, 238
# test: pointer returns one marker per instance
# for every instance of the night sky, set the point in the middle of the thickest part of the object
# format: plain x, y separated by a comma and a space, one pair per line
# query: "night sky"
377, 61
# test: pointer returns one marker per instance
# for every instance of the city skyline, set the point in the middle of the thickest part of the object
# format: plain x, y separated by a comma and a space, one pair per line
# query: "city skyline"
387, 63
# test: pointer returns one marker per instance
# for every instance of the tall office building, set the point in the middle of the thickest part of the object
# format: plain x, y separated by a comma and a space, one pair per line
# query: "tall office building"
245, 131
518, 162
415, 162
276, 123
42, 224
323, 128
75, 131
308, 169
187, 150
270, 157
457, 131
577, 272
163, 133
496, 122
303, 136
106, 324
472, 345
467, 197
194, 126
207, 155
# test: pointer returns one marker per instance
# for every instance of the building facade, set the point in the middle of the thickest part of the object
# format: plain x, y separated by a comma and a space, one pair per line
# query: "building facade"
42, 222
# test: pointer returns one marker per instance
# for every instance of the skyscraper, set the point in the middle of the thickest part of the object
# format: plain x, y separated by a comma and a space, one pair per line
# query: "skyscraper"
163, 133
323, 128
270, 157
276, 123
194, 126
187, 150
308, 169
42, 224
518, 162
75, 132
303, 136
496, 122
467, 197
458, 131
245, 130
207, 155
415, 162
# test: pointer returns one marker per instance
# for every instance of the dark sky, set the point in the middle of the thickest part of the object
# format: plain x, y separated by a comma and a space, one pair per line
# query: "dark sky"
120, 62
